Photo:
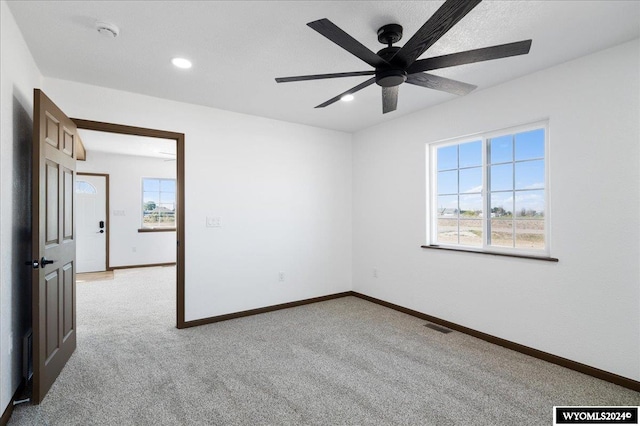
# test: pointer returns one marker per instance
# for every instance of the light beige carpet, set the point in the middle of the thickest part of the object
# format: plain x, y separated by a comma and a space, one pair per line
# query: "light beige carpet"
340, 362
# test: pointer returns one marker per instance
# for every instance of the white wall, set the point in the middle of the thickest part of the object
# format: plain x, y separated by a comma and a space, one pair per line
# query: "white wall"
284, 195
282, 191
19, 76
127, 246
584, 308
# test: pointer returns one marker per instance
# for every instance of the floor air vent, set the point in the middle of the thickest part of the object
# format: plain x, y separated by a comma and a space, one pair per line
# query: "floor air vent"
438, 328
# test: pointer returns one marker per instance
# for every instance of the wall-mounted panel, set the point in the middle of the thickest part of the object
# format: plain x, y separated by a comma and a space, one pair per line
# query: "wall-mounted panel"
52, 130
68, 142
68, 204
51, 203
67, 299
52, 290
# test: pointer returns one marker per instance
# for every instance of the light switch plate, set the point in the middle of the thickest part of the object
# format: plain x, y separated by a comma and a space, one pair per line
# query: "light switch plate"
213, 222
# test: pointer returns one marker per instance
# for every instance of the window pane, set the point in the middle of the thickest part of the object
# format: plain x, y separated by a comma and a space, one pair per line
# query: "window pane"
448, 182
447, 231
168, 185
501, 149
447, 157
149, 218
530, 145
530, 204
501, 233
471, 180
530, 175
501, 177
167, 197
84, 187
150, 185
470, 154
498, 184
501, 205
448, 206
530, 234
471, 206
150, 196
166, 219
471, 232
166, 207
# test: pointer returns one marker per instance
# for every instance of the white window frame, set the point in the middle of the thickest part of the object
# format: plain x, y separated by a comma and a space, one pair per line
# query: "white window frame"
144, 227
432, 192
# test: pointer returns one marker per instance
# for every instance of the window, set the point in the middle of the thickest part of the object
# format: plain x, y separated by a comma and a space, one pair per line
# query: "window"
84, 187
158, 203
489, 192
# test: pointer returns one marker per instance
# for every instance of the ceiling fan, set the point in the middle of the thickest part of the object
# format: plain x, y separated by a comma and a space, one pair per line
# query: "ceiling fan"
396, 65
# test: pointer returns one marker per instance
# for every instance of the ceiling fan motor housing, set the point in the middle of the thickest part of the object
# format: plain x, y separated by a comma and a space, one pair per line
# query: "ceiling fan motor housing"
390, 76
390, 34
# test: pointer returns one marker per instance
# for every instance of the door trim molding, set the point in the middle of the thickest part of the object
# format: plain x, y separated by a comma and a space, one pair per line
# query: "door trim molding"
106, 213
180, 225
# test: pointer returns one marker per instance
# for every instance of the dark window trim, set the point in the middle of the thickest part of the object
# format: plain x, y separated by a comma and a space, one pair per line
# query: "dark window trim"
157, 230
495, 253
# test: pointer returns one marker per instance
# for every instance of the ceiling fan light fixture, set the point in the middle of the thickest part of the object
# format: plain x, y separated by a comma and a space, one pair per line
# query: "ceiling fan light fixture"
393, 65
347, 98
181, 63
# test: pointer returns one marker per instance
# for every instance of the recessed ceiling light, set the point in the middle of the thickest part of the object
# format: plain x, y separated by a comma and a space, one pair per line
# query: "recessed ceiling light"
181, 63
347, 98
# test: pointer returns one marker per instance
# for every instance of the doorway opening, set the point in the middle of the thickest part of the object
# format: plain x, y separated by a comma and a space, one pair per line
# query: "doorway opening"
166, 218
92, 222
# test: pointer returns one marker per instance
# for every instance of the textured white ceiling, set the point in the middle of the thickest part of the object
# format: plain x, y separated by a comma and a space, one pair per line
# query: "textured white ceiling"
239, 47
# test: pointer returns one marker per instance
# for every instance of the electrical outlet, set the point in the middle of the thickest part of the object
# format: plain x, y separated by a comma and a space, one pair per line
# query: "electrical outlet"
375, 272
10, 343
134, 249
281, 276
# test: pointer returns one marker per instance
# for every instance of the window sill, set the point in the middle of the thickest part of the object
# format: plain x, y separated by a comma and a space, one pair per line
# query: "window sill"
157, 230
493, 253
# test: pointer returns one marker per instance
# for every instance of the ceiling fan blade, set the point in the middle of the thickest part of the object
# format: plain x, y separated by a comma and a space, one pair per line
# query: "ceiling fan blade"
431, 81
348, 92
389, 99
471, 56
323, 76
445, 17
348, 43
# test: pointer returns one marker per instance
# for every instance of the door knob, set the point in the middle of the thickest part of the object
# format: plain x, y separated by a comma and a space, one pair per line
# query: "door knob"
33, 263
44, 262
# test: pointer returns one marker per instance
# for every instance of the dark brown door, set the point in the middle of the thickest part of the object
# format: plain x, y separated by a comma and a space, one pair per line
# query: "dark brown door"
54, 246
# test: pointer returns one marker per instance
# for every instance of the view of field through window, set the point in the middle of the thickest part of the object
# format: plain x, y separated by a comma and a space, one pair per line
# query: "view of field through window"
513, 169
158, 203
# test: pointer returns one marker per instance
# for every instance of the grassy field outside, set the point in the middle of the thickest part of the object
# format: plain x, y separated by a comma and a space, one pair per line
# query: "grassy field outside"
519, 233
